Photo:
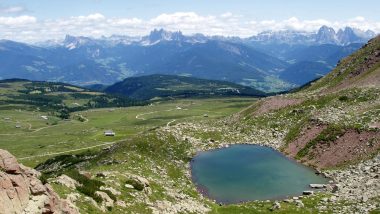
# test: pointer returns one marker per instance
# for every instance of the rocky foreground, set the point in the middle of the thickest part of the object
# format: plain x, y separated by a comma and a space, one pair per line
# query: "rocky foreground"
354, 189
22, 192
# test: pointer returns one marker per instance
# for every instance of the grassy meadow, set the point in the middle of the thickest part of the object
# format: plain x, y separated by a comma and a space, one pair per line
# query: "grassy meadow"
36, 138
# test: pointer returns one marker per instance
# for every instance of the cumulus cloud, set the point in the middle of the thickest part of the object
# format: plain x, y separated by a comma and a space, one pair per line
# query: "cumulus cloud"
29, 29
15, 22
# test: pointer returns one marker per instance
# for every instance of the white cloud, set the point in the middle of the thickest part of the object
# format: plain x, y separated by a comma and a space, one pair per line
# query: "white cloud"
226, 15
125, 22
91, 17
13, 9
29, 29
180, 18
17, 21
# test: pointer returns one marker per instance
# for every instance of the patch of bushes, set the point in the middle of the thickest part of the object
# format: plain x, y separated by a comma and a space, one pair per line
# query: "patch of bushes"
137, 185
63, 162
64, 113
110, 194
44, 178
81, 119
89, 186
343, 98
327, 136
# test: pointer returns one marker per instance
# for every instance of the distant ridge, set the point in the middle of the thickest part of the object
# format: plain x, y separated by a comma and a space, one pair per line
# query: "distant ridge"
361, 69
164, 86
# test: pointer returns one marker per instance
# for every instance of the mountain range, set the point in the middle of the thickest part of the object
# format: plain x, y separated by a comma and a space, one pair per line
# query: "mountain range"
267, 61
325, 35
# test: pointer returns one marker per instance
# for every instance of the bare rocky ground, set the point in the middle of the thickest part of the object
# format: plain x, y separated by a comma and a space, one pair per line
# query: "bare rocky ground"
22, 192
353, 187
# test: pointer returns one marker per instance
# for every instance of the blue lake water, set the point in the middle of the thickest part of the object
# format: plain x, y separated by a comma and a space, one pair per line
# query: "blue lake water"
250, 172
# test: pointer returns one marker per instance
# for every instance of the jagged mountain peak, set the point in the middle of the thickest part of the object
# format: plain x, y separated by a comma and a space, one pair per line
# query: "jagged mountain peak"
326, 35
326, 30
159, 35
72, 42
348, 36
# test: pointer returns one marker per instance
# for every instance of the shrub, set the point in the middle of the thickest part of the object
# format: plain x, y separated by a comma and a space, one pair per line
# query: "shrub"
137, 185
343, 98
110, 194
44, 178
88, 186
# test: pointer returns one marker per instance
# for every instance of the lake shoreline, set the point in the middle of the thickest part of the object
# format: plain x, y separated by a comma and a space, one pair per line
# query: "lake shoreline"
203, 190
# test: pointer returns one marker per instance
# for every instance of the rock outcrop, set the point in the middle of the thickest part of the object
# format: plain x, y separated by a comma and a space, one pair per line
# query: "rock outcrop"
66, 181
22, 192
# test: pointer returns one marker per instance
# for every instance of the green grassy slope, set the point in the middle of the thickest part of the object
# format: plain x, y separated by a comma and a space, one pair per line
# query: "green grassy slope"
56, 98
37, 136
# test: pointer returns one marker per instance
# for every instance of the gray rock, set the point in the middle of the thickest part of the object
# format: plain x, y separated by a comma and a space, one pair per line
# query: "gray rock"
317, 186
299, 203
308, 192
288, 200
276, 206
129, 186
364, 198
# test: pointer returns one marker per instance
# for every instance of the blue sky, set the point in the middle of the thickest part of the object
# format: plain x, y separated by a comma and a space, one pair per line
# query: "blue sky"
257, 9
31, 20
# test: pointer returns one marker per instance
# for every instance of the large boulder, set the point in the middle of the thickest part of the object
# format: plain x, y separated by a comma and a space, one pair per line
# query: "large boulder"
22, 192
138, 183
8, 163
107, 202
66, 181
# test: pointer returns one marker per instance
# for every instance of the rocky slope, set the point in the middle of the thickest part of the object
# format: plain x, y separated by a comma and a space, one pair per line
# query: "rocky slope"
332, 125
333, 122
22, 192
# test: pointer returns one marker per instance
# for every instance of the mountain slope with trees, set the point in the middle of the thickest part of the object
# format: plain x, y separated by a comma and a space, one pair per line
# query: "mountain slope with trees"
164, 86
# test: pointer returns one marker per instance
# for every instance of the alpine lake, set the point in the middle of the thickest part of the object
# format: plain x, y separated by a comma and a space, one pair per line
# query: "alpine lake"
242, 173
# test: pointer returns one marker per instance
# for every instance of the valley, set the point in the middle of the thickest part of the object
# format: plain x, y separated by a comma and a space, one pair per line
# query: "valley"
189, 107
37, 136
331, 125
